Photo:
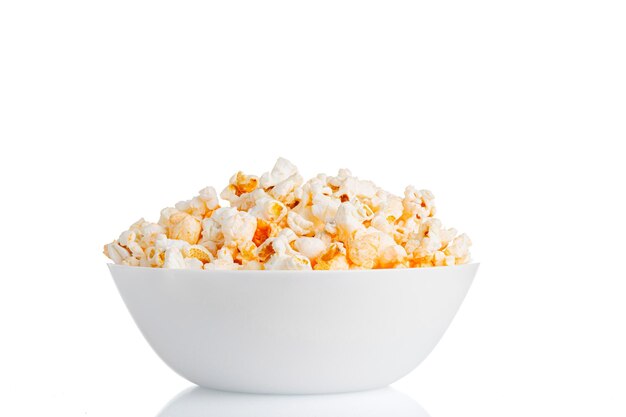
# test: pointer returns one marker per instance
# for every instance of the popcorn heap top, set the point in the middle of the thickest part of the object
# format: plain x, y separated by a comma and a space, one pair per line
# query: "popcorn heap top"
278, 221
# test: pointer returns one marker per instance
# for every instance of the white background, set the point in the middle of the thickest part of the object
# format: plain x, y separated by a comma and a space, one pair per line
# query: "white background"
513, 113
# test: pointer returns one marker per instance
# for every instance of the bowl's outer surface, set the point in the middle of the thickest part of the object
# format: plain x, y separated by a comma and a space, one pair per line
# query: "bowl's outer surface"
301, 332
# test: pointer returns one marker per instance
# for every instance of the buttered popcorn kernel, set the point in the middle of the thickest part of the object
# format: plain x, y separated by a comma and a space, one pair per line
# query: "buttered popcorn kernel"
279, 221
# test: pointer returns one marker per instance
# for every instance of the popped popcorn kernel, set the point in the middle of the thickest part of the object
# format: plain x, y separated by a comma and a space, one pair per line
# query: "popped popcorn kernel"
202, 205
334, 257
279, 221
181, 225
198, 252
263, 231
224, 260
418, 204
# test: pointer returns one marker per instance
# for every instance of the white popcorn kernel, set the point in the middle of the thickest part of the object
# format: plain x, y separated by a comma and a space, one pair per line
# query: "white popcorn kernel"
353, 188
324, 208
269, 209
288, 235
392, 255
459, 249
116, 253
285, 190
163, 243
212, 235
382, 223
131, 262
254, 266
389, 206
311, 247
418, 204
193, 263
238, 228
166, 213
174, 259
341, 178
209, 196
202, 205
128, 240
224, 261
288, 262
314, 186
285, 257
300, 225
348, 219
283, 169
149, 233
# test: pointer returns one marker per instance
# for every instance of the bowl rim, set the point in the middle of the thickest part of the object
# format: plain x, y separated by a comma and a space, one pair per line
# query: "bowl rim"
472, 263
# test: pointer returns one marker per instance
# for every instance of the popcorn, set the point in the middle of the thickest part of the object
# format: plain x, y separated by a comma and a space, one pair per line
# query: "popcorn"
367, 245
282, 171
246, 252
300, 224
311, 247
116, 252
238, 228
277, 221
268, 209
174, 259
393, 256
334, 257
128, 240
202, 205
459, 249
349, 219
181, 225
324, 208
198, 252
263, 231
253, 266
224, 261
284, 256
418, 203
239, 185
229, 227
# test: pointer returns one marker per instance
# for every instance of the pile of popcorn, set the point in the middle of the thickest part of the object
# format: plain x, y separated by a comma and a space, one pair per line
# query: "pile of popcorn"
278, 221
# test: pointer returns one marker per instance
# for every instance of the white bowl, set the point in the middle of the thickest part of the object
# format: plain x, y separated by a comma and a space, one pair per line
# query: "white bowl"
293, 332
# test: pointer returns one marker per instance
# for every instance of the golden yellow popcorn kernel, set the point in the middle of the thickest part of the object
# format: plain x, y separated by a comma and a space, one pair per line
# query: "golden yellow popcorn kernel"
247, 251
199, 252
269, 209
392, 256
419, 204
334, 257
363, 251
244, 183
266, 250
185, 227
263, 231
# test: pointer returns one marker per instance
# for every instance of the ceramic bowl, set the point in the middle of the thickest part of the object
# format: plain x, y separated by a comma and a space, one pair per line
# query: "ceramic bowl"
293, 332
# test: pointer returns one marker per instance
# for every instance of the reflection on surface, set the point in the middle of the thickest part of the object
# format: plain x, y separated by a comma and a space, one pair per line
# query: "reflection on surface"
386, 402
